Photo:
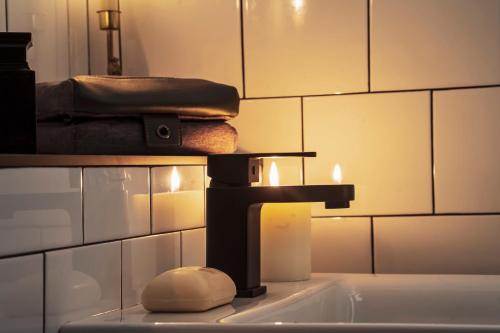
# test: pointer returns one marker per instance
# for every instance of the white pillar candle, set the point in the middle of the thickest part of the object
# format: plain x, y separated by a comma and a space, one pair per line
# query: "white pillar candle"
285, 242
285, 238
183, 209
178, 209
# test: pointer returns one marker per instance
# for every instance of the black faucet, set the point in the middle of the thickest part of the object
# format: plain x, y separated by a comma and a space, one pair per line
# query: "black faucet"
233, 213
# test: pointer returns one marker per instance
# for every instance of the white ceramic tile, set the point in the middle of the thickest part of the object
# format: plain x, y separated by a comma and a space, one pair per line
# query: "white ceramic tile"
189, 38
143, 259
467, 150
81, 282
272, 125
305, 47
3, 21
48, 22
21, 294
194, 243
269, 125
423, 44
40, 208
341, 245
182, 207
116, 203
437, 244
78, 41
381, 142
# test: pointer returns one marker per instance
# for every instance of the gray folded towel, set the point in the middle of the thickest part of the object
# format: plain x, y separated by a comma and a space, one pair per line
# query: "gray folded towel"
125, 136
105, 96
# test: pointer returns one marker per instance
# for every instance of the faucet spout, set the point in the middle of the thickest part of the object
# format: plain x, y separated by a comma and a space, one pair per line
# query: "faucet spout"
233, 235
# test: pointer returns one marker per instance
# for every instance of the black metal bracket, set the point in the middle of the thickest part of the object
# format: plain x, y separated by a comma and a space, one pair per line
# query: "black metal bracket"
162, 130
242, 169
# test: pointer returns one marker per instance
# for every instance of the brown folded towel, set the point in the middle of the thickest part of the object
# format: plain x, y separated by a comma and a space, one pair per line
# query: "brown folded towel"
98, 96
126, 137
109, 115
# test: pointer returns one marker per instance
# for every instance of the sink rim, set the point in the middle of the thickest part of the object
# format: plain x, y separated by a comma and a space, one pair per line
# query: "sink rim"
290, 292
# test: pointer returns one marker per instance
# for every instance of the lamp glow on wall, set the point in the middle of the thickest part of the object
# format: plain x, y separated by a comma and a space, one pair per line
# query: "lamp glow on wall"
109, 21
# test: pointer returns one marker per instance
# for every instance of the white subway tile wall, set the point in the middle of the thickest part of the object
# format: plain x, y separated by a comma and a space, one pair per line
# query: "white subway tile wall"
341, 245
41, 211
116, 203
306, 47
269, 125
382, 143
97, 51
429, 147
78, 37
21, 294
143, 259
40, 208
194, 247
80, 282
437, 244
3, 17
467, 150
272, 125
189, 38
48, 22
438, 43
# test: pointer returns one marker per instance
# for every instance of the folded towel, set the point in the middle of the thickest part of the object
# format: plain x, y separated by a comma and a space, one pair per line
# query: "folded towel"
105, 96
125, 136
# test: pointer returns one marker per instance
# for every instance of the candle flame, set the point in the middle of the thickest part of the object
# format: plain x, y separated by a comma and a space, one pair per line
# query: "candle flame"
337, 174
298, 5
175, 180
274, 176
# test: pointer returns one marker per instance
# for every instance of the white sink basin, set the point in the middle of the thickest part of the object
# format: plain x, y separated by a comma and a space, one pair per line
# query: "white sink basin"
334, 303
408, 299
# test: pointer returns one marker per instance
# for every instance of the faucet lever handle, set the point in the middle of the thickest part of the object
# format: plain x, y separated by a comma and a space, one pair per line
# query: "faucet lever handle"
242, 169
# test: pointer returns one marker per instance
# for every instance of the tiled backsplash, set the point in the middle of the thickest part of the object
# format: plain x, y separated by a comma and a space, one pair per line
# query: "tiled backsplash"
416, 129
71, 248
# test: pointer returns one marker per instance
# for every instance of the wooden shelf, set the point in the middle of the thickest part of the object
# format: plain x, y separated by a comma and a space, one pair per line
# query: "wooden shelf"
43, 160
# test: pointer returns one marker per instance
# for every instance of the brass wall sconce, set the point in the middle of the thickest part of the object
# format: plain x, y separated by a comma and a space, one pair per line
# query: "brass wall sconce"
109, 21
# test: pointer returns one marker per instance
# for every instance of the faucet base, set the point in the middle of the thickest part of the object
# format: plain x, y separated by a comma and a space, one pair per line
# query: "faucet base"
252, 292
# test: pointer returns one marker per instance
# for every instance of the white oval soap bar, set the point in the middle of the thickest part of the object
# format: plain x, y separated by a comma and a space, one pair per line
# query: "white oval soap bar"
188, 289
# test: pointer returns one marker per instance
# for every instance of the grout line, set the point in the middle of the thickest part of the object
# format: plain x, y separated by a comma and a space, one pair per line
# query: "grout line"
180, 248
88, 37
302, 139
44, 291
120, 54
372, 241
150, 200
368, 14
433, 181
82, 204
410, 215
121, 274
68, 26
205, 186
242, 38
6, 15
22, 254
117, 165
378, 92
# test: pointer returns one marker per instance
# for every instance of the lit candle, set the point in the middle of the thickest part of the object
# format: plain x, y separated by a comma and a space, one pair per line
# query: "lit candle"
285, 239
178, 208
